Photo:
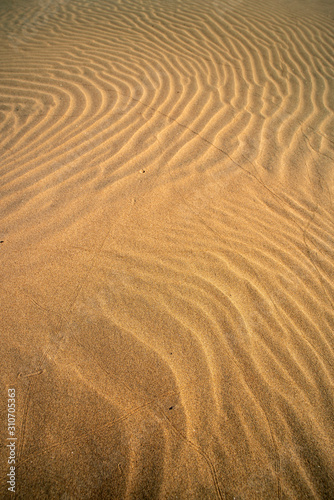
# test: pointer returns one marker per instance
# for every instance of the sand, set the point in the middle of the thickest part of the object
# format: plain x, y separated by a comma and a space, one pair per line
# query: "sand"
166, 201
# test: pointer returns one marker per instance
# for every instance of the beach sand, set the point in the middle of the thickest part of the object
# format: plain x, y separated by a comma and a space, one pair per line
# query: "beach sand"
166, 256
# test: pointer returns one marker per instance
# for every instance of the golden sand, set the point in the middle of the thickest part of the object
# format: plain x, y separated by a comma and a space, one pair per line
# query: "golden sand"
167, 248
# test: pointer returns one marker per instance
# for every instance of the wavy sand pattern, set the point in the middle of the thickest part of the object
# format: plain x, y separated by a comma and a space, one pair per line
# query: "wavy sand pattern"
167, 248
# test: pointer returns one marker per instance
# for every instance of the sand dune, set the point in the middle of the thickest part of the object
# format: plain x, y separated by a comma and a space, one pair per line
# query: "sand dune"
167, 252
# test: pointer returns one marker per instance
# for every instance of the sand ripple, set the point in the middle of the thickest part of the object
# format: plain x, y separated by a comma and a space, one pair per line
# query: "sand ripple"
167, 247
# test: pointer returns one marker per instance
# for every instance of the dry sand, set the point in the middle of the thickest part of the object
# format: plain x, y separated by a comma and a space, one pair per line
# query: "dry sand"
167, 248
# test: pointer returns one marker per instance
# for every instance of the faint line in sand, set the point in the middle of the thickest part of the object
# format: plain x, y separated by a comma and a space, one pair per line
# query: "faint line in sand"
212, 469
107, 425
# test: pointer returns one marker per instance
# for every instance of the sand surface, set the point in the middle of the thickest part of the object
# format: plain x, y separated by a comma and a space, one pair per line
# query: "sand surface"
166, 256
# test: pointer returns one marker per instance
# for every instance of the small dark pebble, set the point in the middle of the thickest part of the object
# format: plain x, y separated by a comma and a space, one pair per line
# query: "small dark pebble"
171, 407
1, 241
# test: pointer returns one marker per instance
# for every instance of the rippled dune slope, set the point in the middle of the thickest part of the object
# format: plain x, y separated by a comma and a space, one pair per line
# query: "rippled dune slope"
167, 230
